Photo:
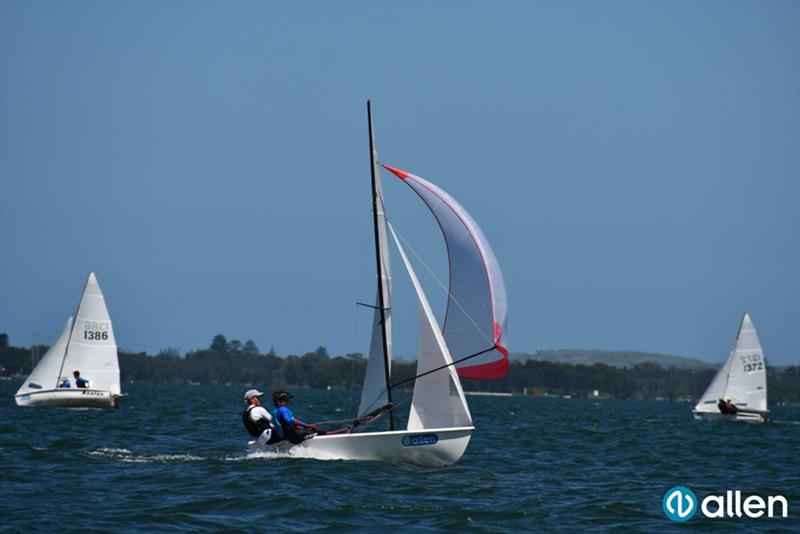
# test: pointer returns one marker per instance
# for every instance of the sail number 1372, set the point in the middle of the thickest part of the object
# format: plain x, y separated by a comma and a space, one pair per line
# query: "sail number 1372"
752, 362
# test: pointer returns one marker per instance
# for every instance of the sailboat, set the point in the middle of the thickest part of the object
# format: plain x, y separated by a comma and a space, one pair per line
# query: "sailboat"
470, 344
742, 379
86, 344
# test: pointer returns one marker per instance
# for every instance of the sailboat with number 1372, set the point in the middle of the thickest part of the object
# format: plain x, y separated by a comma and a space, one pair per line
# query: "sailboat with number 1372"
470, 344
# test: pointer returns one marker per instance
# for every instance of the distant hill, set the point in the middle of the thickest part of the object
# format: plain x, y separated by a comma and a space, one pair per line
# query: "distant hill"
613, 358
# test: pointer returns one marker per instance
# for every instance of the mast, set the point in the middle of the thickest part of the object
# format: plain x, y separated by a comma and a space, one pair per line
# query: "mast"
381, 296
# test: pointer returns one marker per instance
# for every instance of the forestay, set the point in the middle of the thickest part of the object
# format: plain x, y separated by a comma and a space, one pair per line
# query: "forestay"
475, 317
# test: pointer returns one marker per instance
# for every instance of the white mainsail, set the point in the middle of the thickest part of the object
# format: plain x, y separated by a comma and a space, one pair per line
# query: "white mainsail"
374, 393
92, 349
45, 374
743, 376
438, 400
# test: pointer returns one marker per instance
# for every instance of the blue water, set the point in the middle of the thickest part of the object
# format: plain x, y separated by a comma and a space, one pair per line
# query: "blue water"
173, 459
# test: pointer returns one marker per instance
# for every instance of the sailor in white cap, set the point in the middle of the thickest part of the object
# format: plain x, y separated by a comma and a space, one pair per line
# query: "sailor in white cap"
257, 420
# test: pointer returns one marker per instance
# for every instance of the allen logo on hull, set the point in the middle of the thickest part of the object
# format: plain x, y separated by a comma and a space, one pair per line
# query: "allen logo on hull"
417, 441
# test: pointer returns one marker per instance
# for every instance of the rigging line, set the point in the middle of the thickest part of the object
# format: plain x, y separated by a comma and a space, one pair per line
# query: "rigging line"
444, 366
446, 290
385, 408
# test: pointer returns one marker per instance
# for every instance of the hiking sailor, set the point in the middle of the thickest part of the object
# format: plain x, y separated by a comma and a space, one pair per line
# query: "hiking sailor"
258, 421
293, 429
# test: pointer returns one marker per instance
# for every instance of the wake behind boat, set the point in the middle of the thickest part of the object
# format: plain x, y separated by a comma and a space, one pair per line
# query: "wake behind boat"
740, 383
471, 343
86, 349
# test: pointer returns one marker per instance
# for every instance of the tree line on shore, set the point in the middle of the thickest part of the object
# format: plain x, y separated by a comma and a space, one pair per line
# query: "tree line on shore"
234, 362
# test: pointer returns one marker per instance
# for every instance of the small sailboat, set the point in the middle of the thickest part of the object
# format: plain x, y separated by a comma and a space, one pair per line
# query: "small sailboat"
470, 344
742, 379
86, 344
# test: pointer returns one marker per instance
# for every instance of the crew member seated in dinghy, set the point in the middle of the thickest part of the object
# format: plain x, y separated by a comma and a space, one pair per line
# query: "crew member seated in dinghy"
293, 429
726, 406
258, 421
80, 382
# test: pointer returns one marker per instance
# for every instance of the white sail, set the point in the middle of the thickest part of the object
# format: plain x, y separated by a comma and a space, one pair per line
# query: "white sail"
373, 393
747, 379
438, 400
92, 349
715, 390
45, 374
743, 376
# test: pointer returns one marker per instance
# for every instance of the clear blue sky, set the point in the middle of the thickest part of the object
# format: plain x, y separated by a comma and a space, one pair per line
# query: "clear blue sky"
636, 167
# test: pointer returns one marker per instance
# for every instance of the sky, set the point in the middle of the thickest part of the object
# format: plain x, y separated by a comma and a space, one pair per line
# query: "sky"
635, 166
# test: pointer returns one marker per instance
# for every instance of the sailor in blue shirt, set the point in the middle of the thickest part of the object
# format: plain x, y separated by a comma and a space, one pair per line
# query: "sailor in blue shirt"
80, 382
294, 430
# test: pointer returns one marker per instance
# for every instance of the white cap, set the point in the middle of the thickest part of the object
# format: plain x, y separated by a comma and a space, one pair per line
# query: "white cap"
252, 393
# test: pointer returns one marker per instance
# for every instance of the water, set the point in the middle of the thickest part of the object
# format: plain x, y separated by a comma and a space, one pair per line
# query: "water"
173, 458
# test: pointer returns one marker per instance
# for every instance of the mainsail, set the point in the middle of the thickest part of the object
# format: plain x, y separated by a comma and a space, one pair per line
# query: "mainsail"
375, 392
92, 349
475, 318
743, 376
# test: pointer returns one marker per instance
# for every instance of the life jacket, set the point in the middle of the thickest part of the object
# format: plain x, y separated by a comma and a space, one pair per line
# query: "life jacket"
255, 428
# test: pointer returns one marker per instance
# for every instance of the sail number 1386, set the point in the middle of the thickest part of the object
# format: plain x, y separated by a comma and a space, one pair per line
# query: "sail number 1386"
95, 330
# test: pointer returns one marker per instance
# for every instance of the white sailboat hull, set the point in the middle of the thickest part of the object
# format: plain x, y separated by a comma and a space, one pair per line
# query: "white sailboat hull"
434, 447
749, 417
69, 398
